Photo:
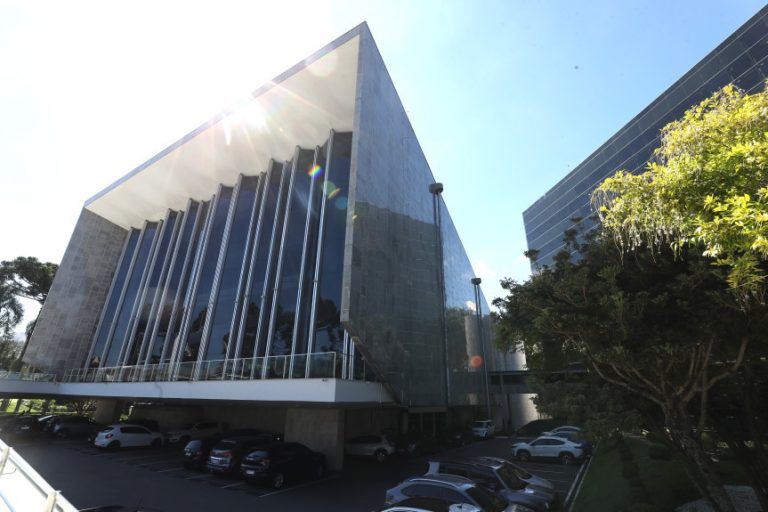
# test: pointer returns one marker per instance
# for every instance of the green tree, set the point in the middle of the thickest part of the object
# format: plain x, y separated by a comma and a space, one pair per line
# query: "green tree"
24, 277
708, 188
654, 325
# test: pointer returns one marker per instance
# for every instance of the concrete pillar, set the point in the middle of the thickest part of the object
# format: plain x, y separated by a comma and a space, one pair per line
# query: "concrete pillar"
322, 430
46, 405
16, 407
108, 411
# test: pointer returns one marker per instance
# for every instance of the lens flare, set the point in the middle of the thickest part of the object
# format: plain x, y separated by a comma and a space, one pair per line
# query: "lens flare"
476, 362
334, 193
341, 203
315, 171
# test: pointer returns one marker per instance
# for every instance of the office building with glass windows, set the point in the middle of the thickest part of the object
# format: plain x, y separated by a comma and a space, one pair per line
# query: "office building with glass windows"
289, 265
742, 59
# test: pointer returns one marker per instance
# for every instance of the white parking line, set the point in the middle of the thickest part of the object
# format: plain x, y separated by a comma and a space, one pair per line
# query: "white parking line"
167, 470
299, 486
236, 484
199, 477
155, 456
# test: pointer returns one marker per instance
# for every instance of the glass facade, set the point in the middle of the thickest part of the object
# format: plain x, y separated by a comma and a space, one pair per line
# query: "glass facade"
244, 285
740, 59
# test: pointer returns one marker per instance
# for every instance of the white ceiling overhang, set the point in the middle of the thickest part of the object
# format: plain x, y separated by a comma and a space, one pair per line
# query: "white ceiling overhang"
299, 107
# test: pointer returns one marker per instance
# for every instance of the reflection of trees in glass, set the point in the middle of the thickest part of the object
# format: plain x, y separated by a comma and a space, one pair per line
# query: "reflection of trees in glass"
195, 336
329, 331
282, 342
251, 324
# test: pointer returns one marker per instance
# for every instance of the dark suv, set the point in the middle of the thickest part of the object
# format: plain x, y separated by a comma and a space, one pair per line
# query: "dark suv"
276, 463
196, 452
66, 426
501, 477
225, 457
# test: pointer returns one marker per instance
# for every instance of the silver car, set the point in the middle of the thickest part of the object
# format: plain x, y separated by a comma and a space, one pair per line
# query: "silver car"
378, 446
453, 488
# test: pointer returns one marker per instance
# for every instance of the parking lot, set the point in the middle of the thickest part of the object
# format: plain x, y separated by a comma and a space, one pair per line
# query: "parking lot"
155, 480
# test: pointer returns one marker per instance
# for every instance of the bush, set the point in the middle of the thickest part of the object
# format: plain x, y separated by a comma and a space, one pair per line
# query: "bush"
630, 470
659, 451
642, 507
657, 438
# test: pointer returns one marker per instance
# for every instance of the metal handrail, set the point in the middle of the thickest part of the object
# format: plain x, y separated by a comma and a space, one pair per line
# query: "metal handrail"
324, 365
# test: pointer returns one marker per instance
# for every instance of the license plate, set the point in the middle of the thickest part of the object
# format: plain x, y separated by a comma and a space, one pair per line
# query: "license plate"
250, 472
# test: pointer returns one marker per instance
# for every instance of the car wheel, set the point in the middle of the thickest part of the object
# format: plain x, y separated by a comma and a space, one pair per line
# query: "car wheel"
114, 445
567, 458
523, 455
156, 443
380, 455
277, 481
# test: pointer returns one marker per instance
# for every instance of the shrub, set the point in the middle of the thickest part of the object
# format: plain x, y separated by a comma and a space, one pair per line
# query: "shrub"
659, 451
642, 507
657, 438
630, 470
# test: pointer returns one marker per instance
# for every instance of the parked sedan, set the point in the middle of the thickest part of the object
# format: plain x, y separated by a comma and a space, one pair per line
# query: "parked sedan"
196, 430
196, 452
454, 488
227, 455
278, 463
378, 446
483, 429
67, 426
499, 477
23, 427
125, 436
429, 505
548, 447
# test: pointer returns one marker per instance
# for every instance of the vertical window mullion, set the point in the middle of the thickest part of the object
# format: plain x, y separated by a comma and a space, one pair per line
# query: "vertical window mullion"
245, 271
104, 308
217, 276
318, 258
158, 299
303, 268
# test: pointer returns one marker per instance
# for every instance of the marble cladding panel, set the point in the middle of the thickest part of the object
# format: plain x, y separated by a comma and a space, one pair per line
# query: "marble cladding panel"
391, 302
71, 312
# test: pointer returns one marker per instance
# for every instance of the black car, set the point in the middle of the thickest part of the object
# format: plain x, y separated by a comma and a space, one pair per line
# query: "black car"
415, 443
196, 452
23, 427
278, 463
455, 435
225, 457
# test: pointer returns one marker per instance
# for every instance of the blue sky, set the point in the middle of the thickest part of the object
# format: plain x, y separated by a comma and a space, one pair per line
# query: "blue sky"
505, 97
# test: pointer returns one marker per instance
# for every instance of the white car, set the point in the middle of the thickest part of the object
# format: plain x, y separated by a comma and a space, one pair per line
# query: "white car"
483, 429
380, 447
549, 447
564, 431
198, 430
123, 436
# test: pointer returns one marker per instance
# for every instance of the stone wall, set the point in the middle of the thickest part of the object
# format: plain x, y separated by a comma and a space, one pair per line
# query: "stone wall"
69, 317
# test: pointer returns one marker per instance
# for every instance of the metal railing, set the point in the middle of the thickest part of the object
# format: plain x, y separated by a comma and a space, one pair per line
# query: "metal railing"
321, 364
29, 374
22, 489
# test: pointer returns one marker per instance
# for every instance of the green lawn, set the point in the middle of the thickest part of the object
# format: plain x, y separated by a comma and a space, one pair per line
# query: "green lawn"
665, 482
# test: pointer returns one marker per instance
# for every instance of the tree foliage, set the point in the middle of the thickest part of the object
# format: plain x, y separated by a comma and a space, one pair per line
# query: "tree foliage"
653, 324
27, 277
708, 187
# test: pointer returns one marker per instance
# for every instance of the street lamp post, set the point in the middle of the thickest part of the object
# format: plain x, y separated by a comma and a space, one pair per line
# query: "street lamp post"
478, 313
436, 189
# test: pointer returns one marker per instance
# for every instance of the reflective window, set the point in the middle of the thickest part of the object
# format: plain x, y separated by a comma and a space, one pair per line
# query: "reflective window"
206, 273
220, 336
131, 291
291, 254
259, 263
329, 333
114, 297
150, 289
177, 315
164, 309
312, 225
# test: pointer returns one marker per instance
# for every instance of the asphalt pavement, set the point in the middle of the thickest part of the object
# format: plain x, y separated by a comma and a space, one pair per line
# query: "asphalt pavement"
154, 481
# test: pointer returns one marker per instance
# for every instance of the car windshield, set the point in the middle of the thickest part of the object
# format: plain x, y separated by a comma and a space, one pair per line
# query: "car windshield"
519, 472
186, 426
479, 424
488, 502
510, 478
